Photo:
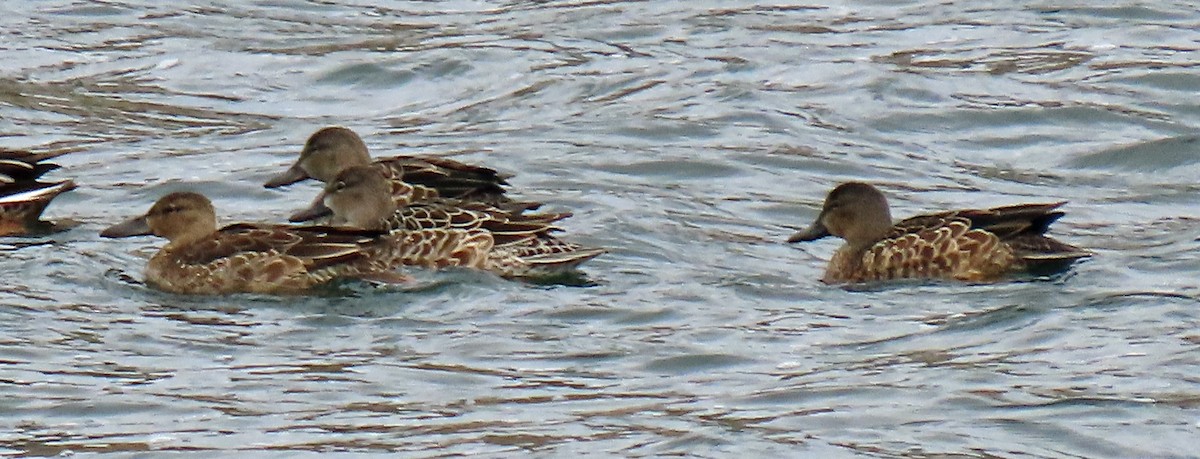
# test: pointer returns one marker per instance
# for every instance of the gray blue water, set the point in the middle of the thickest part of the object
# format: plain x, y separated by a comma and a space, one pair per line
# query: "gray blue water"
690, 138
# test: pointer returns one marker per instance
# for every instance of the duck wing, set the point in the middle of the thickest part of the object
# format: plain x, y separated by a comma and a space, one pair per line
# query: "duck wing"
315, 246
447, 177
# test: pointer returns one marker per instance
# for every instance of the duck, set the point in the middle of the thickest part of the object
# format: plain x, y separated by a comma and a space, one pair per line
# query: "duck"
23, 197
524, 245
267, 258
331, 149
972, 245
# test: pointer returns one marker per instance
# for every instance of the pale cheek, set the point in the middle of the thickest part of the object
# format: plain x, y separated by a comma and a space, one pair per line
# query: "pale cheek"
834, 226
362, 218
340, 203
330, 165
308, 165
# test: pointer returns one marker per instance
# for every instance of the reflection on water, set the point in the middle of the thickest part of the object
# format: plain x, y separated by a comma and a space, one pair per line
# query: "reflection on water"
690, 139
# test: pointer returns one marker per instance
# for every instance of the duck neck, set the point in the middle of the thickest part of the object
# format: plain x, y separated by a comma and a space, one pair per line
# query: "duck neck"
185, 240
191, 231
846, 261
370, 213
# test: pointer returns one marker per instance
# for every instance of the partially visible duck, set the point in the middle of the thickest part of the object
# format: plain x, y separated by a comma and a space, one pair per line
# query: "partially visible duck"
23, 197
523, 243
414, 178
977, 245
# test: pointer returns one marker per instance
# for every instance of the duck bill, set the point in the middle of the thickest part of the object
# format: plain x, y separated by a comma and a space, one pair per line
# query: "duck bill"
314, 211
292, 175
812, 233
136, 226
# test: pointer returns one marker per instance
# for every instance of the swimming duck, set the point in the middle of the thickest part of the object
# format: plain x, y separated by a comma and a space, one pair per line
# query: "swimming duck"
523, 245
414, 178
976, 245
22, 196
267, 258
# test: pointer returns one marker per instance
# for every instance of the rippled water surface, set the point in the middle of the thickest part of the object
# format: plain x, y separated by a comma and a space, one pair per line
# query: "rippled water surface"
690, 138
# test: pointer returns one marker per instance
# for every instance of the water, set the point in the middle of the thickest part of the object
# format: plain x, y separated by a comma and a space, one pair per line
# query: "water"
690, 138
